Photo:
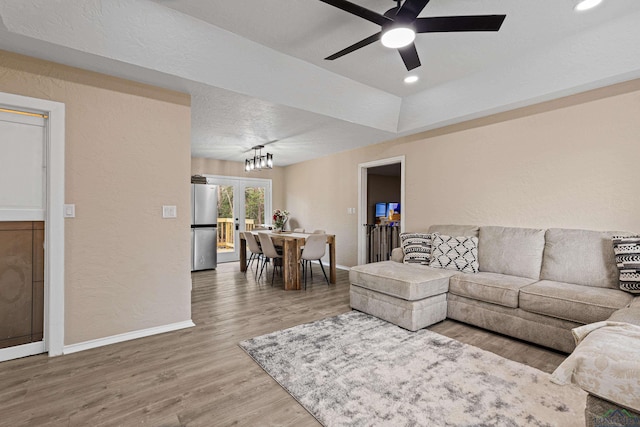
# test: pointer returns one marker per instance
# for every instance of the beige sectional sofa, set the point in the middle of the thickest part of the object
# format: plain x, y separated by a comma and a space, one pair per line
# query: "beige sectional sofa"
532, 284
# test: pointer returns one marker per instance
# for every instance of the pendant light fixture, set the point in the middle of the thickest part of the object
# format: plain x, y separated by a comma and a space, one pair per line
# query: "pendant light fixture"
258, 161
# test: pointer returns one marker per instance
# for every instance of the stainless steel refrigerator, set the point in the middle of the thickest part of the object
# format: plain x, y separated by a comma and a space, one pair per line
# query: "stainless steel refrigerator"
204, 226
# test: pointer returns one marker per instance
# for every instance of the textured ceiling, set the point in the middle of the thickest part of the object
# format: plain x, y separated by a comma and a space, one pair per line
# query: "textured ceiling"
312, 30
256, 72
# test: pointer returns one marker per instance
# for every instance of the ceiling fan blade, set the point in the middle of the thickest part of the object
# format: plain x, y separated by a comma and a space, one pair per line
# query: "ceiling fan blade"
360, 11
443, 24
410, 10
409, 56
355, 46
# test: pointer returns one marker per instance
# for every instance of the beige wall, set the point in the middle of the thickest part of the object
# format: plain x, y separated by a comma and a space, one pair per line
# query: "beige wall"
204, 166
567, 163
127, 153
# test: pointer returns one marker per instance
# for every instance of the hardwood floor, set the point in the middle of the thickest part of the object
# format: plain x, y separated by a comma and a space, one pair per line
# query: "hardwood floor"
199, 376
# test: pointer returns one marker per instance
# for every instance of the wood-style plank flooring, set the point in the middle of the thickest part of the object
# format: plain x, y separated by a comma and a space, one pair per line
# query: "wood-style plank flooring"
199, 376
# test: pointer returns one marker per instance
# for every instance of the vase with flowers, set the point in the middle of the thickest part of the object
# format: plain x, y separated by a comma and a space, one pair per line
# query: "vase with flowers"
280, 218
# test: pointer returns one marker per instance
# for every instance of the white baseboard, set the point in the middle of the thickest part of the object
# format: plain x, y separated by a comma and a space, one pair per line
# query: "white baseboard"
23, 350
86, 345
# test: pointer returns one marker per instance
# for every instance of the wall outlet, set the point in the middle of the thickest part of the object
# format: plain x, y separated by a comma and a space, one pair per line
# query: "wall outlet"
169, 211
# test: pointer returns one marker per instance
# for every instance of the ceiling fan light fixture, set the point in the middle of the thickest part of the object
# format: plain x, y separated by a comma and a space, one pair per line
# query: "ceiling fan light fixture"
397, 37
586, 5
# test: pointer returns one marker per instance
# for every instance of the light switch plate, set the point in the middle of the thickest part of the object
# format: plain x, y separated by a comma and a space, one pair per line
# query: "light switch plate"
69, 211
169, 211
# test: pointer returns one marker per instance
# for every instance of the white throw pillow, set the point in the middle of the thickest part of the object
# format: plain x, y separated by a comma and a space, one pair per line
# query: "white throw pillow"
454, 253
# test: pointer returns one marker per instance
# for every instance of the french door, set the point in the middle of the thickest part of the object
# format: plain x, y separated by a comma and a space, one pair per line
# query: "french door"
243, 204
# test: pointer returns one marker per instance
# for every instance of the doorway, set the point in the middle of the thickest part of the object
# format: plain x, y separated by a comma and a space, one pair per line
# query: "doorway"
246, 198
381, 185
32, 195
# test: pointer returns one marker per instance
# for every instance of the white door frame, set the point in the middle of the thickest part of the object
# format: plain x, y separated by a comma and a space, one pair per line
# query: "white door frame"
362, 197
54, 221
240, 183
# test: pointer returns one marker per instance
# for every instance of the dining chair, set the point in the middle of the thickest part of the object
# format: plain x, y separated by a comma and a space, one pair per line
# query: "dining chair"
314, 249
298, 230
269, 252
254, 248
319, 232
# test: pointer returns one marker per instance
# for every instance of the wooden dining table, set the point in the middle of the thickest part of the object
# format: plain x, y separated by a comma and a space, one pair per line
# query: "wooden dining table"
291, 244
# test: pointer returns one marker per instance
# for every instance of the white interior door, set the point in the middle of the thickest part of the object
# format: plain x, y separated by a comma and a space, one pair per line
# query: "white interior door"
53, 159
22, 215
243, 203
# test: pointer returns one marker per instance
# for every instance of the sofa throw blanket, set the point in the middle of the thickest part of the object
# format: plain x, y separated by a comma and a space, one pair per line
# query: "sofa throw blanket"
605, 362
416, 247
627, 250
454, 253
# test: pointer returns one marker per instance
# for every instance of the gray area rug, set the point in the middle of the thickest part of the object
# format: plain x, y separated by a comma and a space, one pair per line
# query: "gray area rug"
357, 370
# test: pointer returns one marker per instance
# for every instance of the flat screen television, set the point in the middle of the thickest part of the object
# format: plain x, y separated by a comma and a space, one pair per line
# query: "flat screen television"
381, 210
395, 207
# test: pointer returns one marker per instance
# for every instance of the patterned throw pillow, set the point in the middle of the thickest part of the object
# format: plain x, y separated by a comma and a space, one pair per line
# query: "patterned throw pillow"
627, 250
416, 247
454, 253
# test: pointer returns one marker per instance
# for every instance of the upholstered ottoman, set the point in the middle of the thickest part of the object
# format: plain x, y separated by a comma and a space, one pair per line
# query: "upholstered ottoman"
410, 296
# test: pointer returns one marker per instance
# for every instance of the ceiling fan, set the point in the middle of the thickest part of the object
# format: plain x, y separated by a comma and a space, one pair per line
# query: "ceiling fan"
401, 23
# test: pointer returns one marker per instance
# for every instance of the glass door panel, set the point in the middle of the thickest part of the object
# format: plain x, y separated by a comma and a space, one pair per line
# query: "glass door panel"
227, 214
254, 206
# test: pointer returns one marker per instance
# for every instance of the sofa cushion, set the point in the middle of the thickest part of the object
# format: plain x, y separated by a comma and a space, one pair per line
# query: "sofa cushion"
489, 287
416, 247
627, 251
582, 257
510, 250
407, 281
458, 253
455, 230
582, 304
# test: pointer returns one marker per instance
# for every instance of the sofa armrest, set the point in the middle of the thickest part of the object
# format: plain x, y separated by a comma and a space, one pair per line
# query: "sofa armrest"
397, 255
627, 315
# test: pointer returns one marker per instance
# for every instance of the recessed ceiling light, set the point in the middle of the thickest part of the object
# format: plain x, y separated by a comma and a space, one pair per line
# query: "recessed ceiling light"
586, 5
411, 79
398, 37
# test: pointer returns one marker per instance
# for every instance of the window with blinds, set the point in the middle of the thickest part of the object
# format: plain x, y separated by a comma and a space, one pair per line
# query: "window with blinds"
22, 166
